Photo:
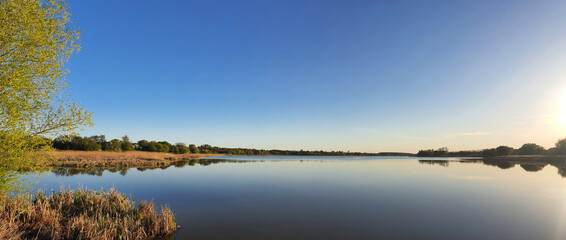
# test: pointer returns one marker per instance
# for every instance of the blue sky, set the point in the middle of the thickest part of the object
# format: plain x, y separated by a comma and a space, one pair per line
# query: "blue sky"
332, 75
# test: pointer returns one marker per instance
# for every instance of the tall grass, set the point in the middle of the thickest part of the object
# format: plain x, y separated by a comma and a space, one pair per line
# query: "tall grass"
130, 155
100, 159
83, 214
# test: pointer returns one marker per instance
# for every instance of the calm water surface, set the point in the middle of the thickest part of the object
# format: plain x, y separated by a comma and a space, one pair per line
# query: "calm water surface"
346, 198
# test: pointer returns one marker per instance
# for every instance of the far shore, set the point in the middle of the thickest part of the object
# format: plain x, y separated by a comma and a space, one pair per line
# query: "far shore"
128, 159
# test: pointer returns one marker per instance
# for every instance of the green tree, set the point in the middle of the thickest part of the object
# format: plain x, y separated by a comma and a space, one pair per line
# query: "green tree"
193, 148
531, 149
143, 145
114, 145
164, 146
503, 150
425, 153
126, 145
490, 152
36, 40
181, 148
153, 146
560, 147
101, 140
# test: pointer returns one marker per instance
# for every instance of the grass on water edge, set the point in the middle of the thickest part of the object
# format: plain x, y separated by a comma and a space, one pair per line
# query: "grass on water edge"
101, 159
83, 214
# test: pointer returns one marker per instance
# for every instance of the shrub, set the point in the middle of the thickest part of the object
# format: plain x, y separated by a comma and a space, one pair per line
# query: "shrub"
531, 149
560, 147
503, 150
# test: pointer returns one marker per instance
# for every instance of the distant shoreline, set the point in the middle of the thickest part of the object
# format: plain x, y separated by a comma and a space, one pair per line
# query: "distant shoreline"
129, 159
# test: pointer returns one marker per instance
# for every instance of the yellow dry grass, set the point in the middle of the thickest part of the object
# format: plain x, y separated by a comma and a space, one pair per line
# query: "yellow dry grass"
100, 159
130, 155
83, 214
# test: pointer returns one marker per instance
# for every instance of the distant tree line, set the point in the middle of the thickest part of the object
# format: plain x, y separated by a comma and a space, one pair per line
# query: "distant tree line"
526, 149
99, 143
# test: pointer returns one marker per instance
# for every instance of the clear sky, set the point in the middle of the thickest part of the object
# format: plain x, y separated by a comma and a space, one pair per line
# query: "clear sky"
324, 75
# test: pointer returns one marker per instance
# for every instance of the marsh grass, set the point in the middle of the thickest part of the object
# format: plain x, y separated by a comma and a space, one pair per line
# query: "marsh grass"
100, 159
83, 214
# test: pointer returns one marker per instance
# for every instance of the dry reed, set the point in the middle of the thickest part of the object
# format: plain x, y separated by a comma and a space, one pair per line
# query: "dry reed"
100, 159
83, 214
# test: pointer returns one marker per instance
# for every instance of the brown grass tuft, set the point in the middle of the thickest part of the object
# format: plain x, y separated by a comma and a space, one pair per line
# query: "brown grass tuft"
83, 214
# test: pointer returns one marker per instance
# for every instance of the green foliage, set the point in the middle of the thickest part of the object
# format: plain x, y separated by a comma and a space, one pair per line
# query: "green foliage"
36, 39
114, 145
74, 142
181, 148
193, 148
526, 149
490, 152
101, 140
531, 149
441, 152
425, 153
503, 150
142, 145
98, 142
126, 145
560, 147
164, 146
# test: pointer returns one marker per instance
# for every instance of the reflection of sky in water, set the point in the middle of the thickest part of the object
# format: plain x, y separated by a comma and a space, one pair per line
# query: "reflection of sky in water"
348, 199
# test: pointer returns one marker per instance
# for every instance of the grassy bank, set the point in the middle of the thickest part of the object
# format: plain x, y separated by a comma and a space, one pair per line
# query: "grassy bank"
83, 214
100, 159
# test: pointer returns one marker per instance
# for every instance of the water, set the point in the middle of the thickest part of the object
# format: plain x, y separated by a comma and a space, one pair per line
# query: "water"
347, 198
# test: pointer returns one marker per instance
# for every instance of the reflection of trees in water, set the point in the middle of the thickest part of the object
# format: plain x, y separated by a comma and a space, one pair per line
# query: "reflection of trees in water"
124, 171
14, 182
471, 161
532, 167
505, 165
499, 163
443, 163
561, 165
526, 164
529, 165
72, 171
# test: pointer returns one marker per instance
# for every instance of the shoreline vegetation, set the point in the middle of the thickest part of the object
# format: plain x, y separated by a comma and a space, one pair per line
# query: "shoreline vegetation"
532, 163
95, 152
99, 143
100, 159
37, 39
526, 151
83, 214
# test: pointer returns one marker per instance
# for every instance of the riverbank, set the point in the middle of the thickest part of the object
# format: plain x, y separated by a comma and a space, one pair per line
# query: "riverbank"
102, 159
